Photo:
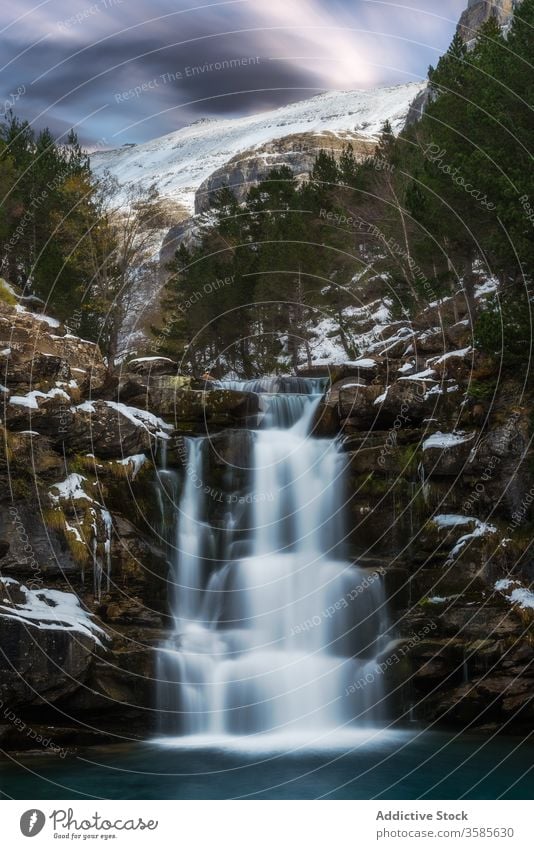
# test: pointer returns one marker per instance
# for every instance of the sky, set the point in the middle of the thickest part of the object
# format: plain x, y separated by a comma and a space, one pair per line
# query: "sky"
126, 71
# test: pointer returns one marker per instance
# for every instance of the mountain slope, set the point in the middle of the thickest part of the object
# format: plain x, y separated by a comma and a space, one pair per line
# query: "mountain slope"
179, 162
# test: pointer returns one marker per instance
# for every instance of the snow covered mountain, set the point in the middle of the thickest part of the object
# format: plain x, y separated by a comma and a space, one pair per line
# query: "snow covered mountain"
179, 162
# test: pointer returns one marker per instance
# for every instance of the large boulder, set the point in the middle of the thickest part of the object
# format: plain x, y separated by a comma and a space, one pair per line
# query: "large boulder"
153, 366
447, 453
48, 643
110, 429
357, 404
47, 413
197, 410
363, 370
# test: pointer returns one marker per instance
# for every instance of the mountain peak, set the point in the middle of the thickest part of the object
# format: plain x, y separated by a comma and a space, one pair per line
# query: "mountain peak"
480, 11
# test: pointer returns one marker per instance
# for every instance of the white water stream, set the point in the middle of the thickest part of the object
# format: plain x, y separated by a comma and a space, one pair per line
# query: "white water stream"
280, 633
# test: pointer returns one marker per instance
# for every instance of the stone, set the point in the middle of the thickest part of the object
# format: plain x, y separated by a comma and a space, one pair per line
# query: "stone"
153, 366
39, 664
200, 410
442, 455
297, 151
40, 354
480, 11
106, 432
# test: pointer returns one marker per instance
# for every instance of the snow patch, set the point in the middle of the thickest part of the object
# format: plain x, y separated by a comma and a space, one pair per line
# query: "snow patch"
446, 440
53, 610
150, 360
427, 374
30, 400
71, 488
86, 407
451, 520
52, 322
381, 398
462, 352
136, 461
481, 529
142, 418
364, 363
520, 595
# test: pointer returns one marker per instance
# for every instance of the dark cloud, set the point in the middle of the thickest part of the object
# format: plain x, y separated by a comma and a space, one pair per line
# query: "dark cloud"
79, 61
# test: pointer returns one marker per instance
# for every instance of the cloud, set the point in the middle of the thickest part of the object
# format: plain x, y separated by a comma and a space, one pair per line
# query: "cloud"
76, 57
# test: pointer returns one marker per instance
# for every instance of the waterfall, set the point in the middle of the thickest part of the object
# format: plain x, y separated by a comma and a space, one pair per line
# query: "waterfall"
274, 629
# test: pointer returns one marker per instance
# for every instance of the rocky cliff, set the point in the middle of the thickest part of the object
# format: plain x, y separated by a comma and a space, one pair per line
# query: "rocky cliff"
297, 152
440, 480
83, 581
247, 169
479, 11
439, 486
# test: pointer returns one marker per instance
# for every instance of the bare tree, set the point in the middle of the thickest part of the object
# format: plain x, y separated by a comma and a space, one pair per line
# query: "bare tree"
125, 258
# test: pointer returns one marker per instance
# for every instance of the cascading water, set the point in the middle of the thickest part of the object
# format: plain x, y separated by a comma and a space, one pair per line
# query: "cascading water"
274, 631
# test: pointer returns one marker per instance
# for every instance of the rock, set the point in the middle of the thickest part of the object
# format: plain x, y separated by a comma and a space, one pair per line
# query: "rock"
185, 233
27, 369
439, 535
506, 441
109, 430
479, 11
417, 107
232, 449
431, 341
153, 366
332, 398
460, 334
356, 405
297, 151
42, 663
377, 407
85, 361
326, 422
337, 372
139, 571
404, 403
31, 551
128, 388
384, 452
30, 455
118, 688
493, 697
519, 707
196, 410
447, 453
39, 354
438, 661
48, 414
457, 365
393, 340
